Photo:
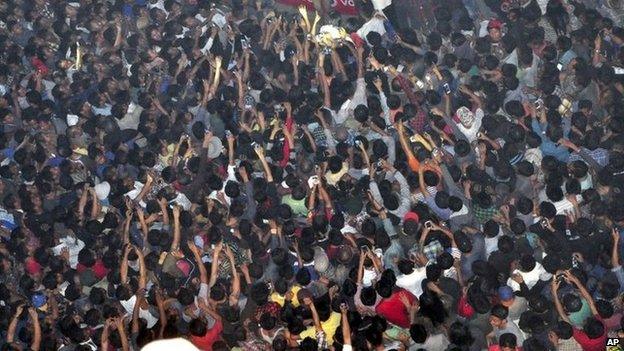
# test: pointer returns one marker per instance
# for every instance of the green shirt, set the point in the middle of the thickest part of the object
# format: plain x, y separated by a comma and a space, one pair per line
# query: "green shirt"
577, 319
298, 207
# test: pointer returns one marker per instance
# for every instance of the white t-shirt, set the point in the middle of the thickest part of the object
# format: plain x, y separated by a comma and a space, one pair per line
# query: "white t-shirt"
491, 245
530, 278
381, 4
368, 277
413, 282
373, 25
471, 133
128, 305
563, 206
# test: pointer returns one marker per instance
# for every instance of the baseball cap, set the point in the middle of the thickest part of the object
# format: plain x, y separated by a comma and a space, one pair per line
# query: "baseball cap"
215, 147
494, 24
411, 216
32, 266
102, 190
466, 117
39, 300
506, 295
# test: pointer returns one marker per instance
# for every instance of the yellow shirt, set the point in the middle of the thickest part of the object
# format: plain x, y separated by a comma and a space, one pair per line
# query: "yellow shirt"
333, 178
279, 299
329, 327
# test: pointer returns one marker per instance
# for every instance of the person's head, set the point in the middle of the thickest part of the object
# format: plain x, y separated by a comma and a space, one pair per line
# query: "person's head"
571, 303
494, 28
197, 327
406, 266
460, 335
593, 328
498, 316
267, 321
562, 330
368, 296
527, 263
507, 342
418, 332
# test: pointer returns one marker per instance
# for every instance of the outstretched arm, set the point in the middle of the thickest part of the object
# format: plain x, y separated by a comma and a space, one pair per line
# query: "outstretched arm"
554, 286
315, 317
162, 315
235, 277
346, 328
142, 269
265, 164
203, 274
404, 143
175, 244
123, 270
119, 322
584, 293
214, 265
13, 324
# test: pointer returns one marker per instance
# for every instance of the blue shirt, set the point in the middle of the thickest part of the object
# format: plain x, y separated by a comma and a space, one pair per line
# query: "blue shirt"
548, 147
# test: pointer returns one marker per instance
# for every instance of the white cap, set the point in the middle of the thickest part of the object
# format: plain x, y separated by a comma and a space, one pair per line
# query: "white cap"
72, 120
102, 190
177, 344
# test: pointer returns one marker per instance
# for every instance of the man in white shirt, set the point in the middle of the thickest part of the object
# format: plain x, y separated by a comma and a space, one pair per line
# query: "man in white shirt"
411, 277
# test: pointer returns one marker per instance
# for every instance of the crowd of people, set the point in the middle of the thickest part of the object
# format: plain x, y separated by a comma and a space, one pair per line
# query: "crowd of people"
183, 175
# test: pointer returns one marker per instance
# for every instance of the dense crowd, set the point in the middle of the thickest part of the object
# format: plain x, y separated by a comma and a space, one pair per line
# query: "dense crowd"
182, 175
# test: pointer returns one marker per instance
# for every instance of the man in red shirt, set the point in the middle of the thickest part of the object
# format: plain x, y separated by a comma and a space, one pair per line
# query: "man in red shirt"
201, 336
593, 336
391, 307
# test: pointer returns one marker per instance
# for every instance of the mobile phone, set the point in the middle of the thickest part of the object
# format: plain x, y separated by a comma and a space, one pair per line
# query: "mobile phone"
428, 224
559, 67
358, 143
435, 152
539, 104
228, 133
447, 88
544, 222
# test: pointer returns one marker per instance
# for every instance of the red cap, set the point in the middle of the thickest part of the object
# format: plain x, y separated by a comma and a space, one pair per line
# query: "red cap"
39, 65
411, 216
32, 266
495, 24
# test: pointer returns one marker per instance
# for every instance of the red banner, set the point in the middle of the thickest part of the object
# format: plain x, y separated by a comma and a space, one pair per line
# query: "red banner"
343, 7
